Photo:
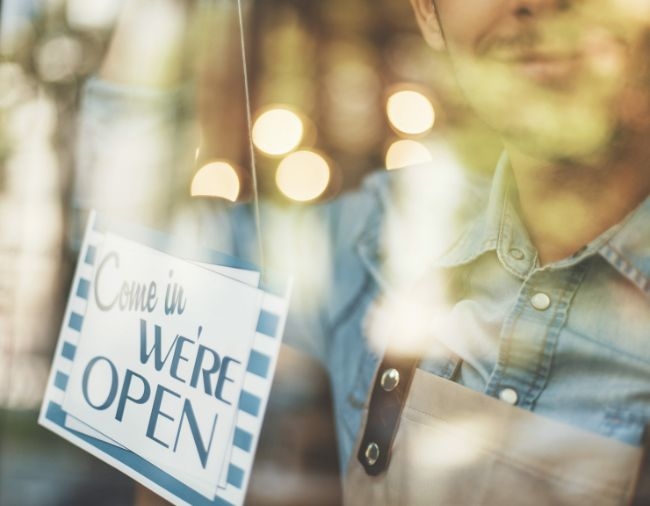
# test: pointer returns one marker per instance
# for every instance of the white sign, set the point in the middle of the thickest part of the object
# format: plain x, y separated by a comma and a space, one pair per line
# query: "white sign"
164, 367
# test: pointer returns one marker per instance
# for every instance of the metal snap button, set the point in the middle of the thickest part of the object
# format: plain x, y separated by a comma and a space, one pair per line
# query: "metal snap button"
372, 453
509, 395
390, 379
540, 301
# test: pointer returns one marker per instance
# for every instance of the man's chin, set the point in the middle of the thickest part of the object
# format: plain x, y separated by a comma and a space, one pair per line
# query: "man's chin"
547, 123
564, 143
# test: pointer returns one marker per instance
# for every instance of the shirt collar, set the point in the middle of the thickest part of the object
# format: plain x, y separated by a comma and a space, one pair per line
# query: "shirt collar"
627, 248
422, 211
498, 228
491, 224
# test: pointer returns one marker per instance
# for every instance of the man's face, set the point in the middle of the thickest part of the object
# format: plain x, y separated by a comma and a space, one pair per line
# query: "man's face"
558, 78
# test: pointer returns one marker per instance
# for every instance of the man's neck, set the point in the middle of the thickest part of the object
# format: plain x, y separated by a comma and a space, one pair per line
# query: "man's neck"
567, 205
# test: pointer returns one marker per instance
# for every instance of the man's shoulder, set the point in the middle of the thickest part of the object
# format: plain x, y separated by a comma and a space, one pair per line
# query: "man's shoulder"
417, 196
440, 184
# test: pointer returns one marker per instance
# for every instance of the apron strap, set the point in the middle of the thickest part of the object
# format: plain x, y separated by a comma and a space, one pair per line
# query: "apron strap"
389, 393
641, 496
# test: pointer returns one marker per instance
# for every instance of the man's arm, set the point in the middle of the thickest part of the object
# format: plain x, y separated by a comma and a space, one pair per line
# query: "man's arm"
148, 44
133, 150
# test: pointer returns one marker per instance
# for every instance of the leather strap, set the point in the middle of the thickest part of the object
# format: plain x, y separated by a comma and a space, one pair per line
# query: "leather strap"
641, 496
389, 393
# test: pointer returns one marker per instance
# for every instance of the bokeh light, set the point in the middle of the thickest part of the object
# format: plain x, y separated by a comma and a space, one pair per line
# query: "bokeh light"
303, 175
277, 131
32, 121
351, 117
14, 84
410, 112
59, 58
216, 179
638, 10
98, 14
406, 152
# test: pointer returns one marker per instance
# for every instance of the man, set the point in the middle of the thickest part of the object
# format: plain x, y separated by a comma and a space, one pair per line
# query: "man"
491, 345
553, 279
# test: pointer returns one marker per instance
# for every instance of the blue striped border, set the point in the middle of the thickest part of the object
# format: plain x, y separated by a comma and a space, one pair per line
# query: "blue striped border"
83, 287
61, 380
68, 351
235, 476
76, 321
259, 364
91, 253
267, 323
243, 439
249, 403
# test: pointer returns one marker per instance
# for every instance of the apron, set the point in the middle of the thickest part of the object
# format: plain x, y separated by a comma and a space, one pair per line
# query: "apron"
448, 445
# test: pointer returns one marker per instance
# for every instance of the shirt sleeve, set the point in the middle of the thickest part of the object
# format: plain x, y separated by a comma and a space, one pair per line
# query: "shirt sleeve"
316, 245
128, 157
127, 160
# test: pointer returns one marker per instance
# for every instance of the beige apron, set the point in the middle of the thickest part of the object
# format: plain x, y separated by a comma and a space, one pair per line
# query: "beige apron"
454, 446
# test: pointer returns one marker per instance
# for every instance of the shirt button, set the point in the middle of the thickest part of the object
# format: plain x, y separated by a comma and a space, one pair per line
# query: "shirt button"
372, 453
390, 379
540, 301
509, 395
516, 253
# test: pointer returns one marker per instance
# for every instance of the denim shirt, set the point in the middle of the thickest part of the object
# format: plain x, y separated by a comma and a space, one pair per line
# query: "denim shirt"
569, 340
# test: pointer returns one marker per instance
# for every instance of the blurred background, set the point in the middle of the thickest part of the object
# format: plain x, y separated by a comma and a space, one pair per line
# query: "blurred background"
338, 89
